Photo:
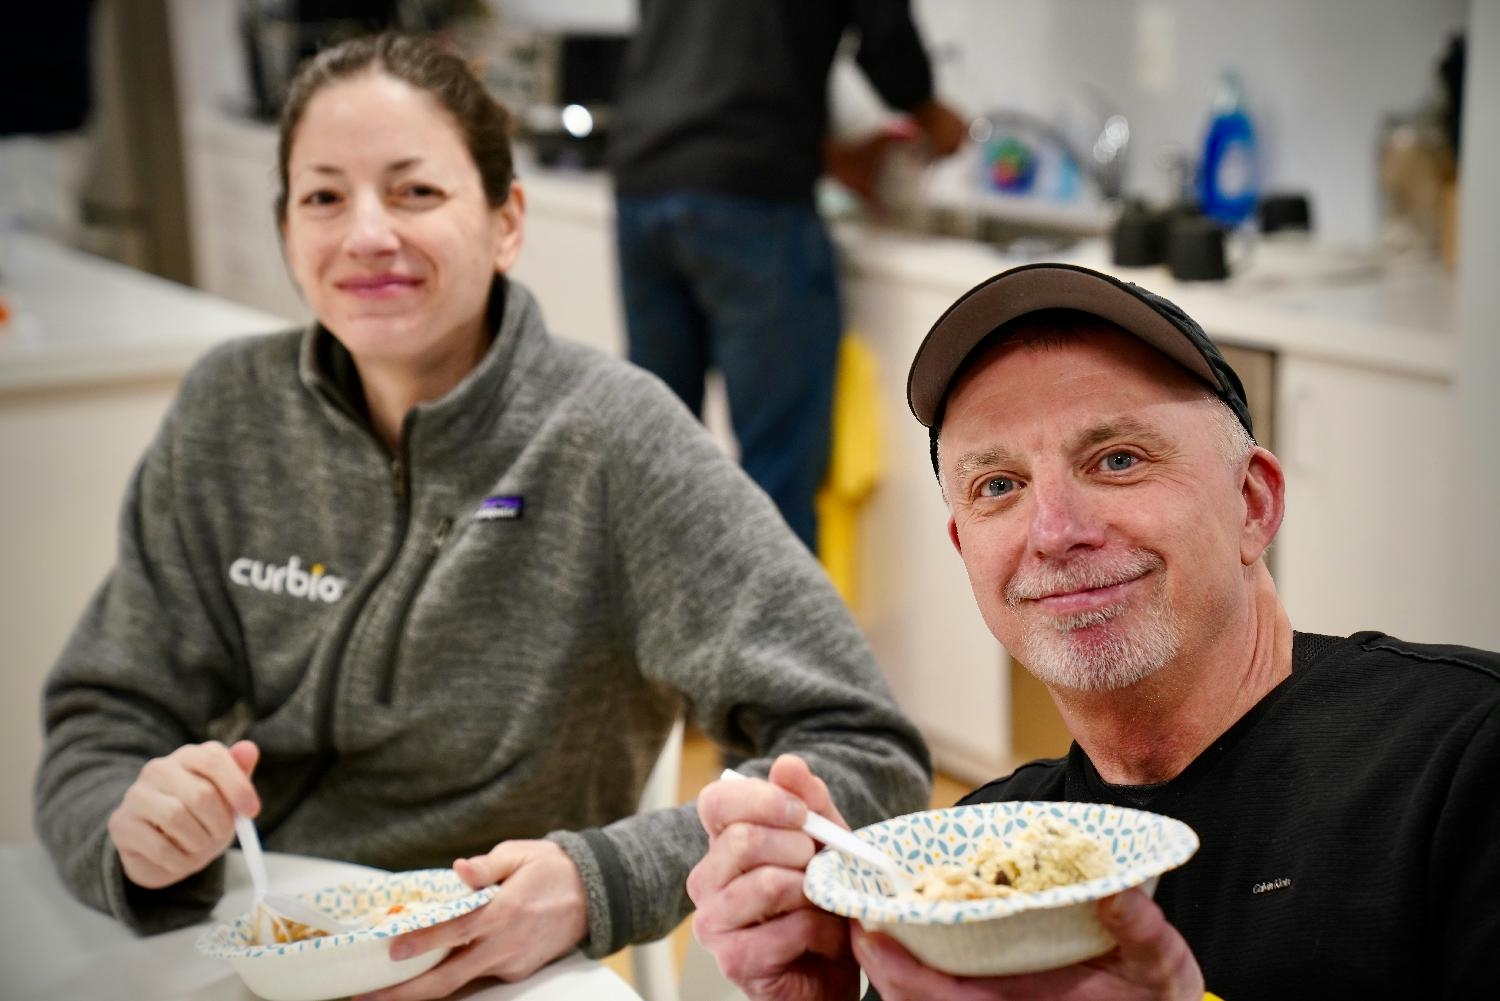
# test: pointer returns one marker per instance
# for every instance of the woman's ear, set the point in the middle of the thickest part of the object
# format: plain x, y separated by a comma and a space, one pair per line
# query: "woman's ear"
1264, 493
509, 222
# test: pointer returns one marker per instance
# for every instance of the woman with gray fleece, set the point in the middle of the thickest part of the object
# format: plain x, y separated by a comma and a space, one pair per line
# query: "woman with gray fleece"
421, 583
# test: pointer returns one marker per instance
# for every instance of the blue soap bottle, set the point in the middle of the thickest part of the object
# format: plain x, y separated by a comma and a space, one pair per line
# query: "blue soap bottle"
1228, 180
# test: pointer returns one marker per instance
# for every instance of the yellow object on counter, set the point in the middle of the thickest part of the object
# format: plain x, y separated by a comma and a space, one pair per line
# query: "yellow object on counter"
856, 463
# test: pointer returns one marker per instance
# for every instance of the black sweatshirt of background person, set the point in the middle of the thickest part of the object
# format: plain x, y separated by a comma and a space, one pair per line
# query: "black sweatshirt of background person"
46, 71
1350, 827
730, 96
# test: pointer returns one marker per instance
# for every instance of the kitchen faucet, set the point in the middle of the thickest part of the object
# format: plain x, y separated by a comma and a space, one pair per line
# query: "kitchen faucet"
1104, 162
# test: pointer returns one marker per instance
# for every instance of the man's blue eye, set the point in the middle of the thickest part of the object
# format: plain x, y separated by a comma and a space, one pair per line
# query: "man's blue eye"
1119, 461
997, 486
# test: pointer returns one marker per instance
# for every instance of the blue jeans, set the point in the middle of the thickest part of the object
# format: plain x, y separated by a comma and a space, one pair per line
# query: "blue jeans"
750, 287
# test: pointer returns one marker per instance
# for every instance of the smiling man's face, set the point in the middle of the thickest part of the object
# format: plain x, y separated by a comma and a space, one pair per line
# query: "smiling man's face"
1094, 506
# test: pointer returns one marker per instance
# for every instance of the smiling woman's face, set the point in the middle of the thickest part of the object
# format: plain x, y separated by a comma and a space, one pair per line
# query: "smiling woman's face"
388, 231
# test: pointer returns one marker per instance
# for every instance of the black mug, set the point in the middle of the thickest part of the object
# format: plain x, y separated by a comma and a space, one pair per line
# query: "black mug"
1283, 211
1139, 237
1195, 249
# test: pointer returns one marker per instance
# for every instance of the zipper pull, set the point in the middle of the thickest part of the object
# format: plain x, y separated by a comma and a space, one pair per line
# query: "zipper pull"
440, 534
398, 478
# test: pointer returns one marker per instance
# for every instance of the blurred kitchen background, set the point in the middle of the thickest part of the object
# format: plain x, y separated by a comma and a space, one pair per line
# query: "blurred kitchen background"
1112, 97
136, 158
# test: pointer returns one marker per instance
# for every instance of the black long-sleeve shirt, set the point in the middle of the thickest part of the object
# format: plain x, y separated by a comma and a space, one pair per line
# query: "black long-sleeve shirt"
1348, 827
731, 96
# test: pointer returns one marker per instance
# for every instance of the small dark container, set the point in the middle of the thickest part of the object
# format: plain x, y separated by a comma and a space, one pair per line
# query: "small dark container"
1139, 237
1285, 211
1195, 249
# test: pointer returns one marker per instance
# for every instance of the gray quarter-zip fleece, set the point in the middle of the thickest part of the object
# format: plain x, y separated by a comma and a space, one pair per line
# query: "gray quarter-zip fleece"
484, 637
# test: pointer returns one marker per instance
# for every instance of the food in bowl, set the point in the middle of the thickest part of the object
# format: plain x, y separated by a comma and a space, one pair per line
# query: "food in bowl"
319, 967
270, 928
1020, 932
1041, 856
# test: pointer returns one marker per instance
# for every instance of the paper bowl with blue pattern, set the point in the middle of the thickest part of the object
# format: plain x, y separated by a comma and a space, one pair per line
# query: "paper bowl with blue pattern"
1019, 933
336, 966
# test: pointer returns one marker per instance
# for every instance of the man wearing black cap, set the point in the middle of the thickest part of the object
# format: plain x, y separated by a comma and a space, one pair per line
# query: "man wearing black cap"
1112, 510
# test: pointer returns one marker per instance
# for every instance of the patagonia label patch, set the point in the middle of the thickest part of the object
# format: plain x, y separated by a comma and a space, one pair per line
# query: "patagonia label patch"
501, 507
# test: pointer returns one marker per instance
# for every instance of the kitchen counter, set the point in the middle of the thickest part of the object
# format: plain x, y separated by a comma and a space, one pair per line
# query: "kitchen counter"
76, 319
1316, 301
1310, 300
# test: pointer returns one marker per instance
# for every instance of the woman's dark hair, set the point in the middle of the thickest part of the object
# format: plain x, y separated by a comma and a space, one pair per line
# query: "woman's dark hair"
426, 65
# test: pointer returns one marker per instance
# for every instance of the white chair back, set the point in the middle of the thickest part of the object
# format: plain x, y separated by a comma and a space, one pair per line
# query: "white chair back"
652, 965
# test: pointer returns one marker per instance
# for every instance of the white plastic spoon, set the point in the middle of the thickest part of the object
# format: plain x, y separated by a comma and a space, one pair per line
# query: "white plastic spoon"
834, 836
282, 904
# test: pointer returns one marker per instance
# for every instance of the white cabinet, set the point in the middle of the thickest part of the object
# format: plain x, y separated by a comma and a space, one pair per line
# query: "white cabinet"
1368, 465
231, 166
948, 672
68, 454
85, 377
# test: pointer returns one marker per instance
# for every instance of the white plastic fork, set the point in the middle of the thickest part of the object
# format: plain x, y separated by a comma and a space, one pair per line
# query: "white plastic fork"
822, 829
281, 904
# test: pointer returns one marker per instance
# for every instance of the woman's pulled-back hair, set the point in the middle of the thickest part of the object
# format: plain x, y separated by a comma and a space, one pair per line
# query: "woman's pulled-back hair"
425, 65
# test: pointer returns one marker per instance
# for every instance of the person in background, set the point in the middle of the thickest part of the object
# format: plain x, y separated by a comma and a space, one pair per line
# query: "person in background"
720, 134
46, 106
420, 582
1113, 513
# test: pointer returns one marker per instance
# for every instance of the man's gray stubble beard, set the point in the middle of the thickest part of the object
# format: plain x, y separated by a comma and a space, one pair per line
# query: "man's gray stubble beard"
1126, 656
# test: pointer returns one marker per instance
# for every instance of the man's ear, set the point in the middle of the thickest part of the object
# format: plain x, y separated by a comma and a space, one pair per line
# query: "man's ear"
953, 536
510, 224
1264, 492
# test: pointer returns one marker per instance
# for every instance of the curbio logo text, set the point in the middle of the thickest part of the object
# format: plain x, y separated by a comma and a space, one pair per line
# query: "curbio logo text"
312, 583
